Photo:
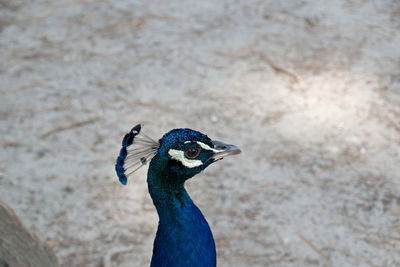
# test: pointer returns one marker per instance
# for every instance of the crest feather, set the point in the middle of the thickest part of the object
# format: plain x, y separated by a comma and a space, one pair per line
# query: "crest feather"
137, 149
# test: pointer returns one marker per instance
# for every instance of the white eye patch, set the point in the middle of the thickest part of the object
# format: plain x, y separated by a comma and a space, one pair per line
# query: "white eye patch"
180, 156
205, 146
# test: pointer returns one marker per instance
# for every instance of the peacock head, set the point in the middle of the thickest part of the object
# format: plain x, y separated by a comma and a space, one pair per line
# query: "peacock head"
178, 155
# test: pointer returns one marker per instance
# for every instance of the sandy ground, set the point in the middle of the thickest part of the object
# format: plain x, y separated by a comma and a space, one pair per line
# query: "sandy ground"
310, 90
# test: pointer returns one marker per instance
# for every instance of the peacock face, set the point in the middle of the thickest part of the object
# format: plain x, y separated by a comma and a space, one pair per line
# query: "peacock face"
189, 152
178, 155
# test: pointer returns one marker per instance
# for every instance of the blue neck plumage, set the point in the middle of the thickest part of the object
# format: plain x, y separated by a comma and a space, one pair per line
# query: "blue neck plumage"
167, 196
169, 200
183, 237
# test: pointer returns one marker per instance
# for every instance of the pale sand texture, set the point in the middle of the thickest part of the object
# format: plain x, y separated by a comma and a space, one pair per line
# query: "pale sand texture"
310, 90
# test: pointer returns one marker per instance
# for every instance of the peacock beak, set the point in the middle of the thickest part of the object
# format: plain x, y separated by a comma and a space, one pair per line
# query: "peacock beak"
222, 150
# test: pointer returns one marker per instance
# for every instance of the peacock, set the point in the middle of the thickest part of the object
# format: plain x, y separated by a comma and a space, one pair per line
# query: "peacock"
183, 236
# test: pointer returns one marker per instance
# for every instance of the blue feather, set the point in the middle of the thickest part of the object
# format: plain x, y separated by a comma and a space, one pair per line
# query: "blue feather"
130, 138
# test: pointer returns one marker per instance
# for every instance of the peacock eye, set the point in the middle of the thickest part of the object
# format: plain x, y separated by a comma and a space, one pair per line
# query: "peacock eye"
192, 151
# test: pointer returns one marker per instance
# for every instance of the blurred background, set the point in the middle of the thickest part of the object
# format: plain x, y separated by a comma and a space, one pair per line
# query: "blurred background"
309, 90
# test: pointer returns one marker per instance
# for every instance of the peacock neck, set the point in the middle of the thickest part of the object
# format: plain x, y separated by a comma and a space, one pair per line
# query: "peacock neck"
183, 236
170, 199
